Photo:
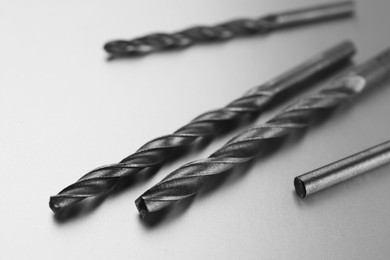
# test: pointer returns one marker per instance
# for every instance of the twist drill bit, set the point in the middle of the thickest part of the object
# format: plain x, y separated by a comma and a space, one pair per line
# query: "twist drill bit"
187, 180
228, 30
342, 170
155, 152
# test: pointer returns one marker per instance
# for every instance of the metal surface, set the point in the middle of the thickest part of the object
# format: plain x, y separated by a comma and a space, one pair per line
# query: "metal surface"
188, 180
228, 30
65, 110
207, 125
342, 170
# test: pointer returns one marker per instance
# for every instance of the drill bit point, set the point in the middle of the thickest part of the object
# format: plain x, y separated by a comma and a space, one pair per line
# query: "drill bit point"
58, 203
53, 205
141, 206
116, 47
146, 207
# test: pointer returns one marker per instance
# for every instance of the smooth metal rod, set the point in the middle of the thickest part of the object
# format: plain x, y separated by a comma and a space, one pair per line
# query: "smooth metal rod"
342, 170
309, 15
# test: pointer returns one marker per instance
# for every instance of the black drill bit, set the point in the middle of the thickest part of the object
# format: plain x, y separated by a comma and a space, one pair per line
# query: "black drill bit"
155, 152
342, 170
188, 180
228, 30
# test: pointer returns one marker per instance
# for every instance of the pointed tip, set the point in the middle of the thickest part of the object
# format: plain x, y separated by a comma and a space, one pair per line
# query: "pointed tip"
54, 205
59, 202
117, 48
141, 206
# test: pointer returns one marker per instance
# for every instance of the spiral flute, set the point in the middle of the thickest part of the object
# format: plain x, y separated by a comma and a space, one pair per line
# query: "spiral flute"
155, 152
187, 180
228, 30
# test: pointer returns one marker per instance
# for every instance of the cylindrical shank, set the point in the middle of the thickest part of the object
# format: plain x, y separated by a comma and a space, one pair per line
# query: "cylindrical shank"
342, 170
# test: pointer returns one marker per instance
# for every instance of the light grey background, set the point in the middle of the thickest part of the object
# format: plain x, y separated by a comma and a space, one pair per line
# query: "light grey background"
65, 110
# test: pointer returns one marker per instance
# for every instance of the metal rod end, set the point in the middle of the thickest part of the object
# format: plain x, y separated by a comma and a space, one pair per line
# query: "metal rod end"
300, 188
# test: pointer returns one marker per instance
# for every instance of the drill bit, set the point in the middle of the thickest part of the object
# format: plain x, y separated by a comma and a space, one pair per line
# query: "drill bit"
228, 30
207, 125
188, 180
342, 170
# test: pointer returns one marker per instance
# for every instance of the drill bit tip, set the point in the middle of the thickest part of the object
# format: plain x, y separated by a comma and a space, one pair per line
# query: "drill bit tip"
117, 47
144, 209
58, 203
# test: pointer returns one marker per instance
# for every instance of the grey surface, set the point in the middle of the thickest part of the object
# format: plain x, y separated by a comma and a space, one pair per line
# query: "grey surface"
65, 110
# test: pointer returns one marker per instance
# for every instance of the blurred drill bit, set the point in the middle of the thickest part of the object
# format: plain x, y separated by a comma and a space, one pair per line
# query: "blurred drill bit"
207, 125
188, 180
228, 30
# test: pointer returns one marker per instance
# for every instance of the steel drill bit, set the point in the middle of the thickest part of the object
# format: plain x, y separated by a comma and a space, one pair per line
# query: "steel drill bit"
155, 152
342, 170
188, 180
228, 30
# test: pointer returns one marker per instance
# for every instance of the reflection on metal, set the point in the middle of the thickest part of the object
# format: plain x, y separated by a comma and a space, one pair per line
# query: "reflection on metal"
188, 180
225, 31
342, 170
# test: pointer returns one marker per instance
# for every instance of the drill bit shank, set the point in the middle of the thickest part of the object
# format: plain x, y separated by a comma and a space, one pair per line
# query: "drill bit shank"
228, 30
155, 152
342, 170
188, 180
